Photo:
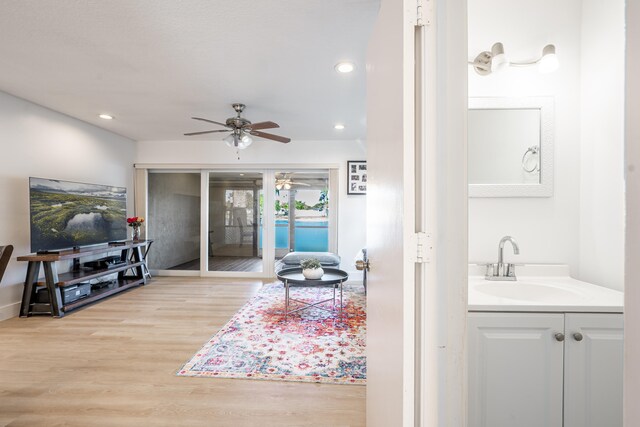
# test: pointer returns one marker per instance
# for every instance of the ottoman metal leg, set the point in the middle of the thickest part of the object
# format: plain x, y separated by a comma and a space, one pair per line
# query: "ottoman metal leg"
286, 300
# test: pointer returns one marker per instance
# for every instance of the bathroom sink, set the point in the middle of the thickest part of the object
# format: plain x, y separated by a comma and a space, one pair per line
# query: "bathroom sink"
528, 291
540, 288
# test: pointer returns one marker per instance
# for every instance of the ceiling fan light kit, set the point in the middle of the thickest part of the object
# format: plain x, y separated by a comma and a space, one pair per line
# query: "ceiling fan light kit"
285, 181
241, 129
237, 141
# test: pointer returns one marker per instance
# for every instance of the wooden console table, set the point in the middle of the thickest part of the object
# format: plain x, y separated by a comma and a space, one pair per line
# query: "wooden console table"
132, 255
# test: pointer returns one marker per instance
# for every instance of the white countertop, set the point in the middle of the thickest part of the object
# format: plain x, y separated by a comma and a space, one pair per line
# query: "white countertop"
540, 288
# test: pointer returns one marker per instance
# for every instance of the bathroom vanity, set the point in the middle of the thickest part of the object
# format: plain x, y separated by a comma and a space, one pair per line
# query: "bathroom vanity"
544, 350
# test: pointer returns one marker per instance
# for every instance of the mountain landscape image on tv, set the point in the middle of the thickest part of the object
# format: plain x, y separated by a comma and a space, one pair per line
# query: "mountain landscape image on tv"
70, 214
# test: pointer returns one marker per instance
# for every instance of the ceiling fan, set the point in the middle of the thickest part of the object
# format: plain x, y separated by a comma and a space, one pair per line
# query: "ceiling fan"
241, 129
286, 182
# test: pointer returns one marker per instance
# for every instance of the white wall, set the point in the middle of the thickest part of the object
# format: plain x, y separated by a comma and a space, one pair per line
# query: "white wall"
352, 208
602, 144
582, 223
545, 228
40, 142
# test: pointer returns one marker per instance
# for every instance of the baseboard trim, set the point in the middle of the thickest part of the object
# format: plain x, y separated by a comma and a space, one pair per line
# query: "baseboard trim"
10, 311
354, 276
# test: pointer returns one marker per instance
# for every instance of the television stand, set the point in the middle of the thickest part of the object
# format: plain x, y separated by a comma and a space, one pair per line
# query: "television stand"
133, 260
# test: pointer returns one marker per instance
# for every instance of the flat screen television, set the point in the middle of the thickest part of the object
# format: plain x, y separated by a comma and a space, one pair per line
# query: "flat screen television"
71, 214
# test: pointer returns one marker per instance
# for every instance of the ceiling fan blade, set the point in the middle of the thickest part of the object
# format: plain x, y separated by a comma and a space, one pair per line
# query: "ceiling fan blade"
211, 121
301, 183
270, 136
263, 125
206, 131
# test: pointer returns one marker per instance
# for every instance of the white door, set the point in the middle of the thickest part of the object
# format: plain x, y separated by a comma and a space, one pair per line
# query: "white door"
593, 370
515, 369
416, 153
390, 341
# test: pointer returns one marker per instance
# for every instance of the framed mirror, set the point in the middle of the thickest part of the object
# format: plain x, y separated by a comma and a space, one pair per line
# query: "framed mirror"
510, 147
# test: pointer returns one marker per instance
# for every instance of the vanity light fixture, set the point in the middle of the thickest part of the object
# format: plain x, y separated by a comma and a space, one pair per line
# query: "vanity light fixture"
498, 59
488, 62
345, 67
106, 116
549, 61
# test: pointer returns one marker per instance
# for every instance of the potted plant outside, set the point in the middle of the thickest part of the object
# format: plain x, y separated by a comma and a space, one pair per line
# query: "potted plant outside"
311, 269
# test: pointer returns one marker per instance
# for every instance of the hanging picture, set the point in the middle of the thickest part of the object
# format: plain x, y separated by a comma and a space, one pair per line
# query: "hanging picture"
356, 177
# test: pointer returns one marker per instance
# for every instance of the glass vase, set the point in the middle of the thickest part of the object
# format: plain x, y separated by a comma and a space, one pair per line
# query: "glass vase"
135, 233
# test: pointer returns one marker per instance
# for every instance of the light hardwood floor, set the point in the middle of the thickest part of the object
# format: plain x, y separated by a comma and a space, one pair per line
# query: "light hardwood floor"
114, 364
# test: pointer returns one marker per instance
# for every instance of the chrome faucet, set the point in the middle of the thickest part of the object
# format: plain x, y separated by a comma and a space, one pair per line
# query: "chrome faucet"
502, 271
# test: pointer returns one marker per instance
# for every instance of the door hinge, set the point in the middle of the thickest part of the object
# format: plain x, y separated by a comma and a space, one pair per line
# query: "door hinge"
424, 12
424, 247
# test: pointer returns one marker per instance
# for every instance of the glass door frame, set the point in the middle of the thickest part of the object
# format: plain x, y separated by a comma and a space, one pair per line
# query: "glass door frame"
141, 206
268, 216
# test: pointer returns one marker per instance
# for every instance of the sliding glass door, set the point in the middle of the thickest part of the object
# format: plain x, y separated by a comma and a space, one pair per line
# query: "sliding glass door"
235, 221
301, 212
173, 220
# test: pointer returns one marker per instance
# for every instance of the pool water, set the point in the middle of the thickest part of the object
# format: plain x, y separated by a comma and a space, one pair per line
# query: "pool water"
310, 236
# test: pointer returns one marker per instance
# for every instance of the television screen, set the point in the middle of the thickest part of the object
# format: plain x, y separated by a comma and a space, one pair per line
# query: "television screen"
68, 214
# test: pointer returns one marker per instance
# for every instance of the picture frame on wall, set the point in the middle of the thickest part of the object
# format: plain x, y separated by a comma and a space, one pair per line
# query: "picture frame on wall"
356, 177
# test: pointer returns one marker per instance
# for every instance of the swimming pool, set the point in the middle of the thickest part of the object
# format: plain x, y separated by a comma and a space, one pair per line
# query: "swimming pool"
310, 236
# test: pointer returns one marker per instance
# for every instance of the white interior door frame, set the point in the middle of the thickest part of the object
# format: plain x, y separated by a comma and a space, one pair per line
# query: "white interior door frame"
632, 231
441, 108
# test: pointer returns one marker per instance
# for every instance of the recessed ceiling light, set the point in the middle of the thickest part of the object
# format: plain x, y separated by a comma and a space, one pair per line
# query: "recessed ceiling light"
241, 174
345, 67
106, 116
338, 126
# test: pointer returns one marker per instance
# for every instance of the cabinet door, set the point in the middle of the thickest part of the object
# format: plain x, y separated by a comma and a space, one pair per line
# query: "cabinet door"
593, 370
515, 370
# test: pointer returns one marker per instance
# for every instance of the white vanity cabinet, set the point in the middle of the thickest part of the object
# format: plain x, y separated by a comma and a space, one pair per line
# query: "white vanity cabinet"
593, 369
545, 369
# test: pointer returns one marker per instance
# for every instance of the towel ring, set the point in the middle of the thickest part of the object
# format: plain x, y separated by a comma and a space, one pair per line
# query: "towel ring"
531, 151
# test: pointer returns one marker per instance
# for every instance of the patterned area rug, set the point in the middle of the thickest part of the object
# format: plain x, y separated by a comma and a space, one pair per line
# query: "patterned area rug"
312, 346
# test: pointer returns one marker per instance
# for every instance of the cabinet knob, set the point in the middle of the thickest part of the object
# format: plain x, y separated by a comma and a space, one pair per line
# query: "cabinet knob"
559, 336
577, 336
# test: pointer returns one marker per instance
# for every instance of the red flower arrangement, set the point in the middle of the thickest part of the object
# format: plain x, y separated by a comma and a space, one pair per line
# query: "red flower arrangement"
135, 221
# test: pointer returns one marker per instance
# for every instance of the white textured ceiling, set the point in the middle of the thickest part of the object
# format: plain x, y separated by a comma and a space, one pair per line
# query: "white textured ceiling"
155, 63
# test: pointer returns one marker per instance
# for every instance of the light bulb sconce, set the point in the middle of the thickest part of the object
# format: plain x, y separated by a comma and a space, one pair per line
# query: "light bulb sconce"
488, 62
